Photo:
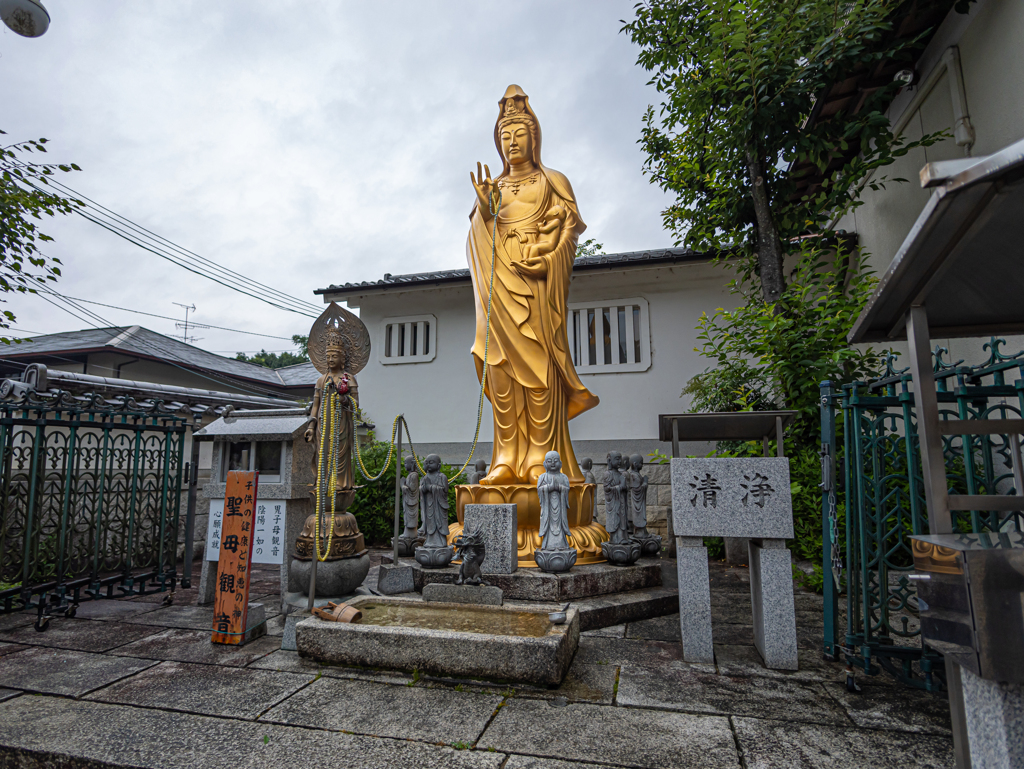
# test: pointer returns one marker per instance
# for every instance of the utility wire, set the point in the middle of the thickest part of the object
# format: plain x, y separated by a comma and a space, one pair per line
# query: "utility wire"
181, 257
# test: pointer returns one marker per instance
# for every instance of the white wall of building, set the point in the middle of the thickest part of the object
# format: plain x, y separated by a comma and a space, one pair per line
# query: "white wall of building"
439, 398
992, 62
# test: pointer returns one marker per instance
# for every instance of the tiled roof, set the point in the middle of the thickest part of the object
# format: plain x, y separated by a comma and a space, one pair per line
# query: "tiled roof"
583, 264
141, 342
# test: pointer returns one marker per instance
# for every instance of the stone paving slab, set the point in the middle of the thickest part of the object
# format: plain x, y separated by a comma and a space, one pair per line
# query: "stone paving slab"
692, 691
41, 732
210, 690
8, 648
17, 619
746, 661
85, 635
583, 683
905, 709
69, 673
192, 617
615, 631
291, 662
773, 744
620, 651
385, 710
195, 646
111, 609
532, 762
619, 736
7, 694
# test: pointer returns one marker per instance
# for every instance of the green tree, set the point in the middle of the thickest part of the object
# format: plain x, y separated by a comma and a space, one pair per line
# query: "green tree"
735, 133
24, 198
589, 247
279, 360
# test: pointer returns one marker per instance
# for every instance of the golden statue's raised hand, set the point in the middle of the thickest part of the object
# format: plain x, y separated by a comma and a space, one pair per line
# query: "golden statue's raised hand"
486, 189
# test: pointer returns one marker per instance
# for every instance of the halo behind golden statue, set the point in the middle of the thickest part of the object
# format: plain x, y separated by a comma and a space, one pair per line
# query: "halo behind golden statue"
521, 266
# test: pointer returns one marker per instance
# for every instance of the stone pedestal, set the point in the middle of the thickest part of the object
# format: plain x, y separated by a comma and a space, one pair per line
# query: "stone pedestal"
585, 535
480, 595
499, 525
407, 545
337, 577
393, 579
621, 553
555, 561
694, 600
771, 596
736, 551
434, 557
994, 716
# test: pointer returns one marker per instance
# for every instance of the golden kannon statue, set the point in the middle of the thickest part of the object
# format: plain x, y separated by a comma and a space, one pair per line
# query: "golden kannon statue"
531, 381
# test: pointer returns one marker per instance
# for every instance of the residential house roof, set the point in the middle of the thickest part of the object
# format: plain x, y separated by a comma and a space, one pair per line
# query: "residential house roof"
627, 259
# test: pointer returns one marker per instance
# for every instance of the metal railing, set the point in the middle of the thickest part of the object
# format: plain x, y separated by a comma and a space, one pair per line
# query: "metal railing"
89, 499
873, 501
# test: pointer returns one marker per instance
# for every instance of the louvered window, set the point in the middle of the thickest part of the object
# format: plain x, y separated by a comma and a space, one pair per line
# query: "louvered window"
611, 336
408, 340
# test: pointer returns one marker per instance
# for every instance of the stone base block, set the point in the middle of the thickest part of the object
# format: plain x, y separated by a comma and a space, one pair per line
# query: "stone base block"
621, 553
499, 525
694, 600
582, 582
338, 577
392, 580
537, 659
255, 624
288, 637
434, 557
481, 595
771, 597
994, 713
555, 561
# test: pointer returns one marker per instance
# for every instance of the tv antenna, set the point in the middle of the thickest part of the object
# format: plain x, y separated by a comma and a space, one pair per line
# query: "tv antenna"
185, 337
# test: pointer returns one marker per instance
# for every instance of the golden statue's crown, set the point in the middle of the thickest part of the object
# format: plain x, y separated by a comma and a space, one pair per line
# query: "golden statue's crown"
515, 112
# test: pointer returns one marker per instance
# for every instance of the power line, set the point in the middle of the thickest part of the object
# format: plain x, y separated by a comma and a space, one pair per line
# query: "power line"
168, 317
181, 257
181, 251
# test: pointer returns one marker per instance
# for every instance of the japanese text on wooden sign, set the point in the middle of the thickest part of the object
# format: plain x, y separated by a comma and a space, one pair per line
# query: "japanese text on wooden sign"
231, 602
268, 538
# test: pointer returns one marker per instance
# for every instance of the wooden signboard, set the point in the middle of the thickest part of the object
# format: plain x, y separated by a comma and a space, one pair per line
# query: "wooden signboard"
231, 602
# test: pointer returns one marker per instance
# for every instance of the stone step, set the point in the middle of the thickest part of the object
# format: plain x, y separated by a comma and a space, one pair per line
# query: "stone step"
618, 608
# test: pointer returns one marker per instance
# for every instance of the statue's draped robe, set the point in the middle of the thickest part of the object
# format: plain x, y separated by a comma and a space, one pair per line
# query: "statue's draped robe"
345, 478
411, 500
434, 508
616, 521
637, 500
532, 383
553, 489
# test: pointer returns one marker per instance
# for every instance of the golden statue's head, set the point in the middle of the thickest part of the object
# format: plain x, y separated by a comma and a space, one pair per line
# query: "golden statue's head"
517, 130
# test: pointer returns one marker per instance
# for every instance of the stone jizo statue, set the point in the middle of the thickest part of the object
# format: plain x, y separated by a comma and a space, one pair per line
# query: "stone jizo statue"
479, 471
411, 498
621, 550
555, 553
587, 466
435, 552
615, 512
650, 544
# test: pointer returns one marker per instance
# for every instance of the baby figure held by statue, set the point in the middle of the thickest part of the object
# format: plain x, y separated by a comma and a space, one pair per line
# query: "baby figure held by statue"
550, 229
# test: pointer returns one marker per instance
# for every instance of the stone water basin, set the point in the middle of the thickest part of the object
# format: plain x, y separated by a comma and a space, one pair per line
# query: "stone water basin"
505, 643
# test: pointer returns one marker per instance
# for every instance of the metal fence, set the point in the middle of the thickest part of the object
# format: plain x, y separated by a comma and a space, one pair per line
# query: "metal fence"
873, 501
89, 499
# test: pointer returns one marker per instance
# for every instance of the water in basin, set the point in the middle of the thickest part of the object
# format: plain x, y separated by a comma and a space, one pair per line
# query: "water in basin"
463, 619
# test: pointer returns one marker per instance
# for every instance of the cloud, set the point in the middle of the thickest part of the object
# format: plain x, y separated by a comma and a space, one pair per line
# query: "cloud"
305, 144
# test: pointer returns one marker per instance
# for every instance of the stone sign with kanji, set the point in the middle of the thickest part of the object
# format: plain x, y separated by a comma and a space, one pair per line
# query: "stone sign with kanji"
237, 529
732, 498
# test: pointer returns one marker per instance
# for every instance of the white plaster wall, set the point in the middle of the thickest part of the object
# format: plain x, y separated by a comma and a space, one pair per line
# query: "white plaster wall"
439, 398
992, 61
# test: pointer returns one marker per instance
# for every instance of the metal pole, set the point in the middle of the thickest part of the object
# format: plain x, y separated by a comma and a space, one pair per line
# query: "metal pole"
312, 575
190, 513
670, 546
398, 485
933, 465
778, 438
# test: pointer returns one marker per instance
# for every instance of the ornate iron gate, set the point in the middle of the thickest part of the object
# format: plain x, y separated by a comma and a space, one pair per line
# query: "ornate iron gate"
89, 499
876, 486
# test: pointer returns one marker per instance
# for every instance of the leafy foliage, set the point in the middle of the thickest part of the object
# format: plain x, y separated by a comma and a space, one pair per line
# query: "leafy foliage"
734, 135
280, 360
589, 247
374, 505
23, 268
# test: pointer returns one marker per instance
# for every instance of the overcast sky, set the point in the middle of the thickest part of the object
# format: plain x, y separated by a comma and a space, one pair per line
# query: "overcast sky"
308, 143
